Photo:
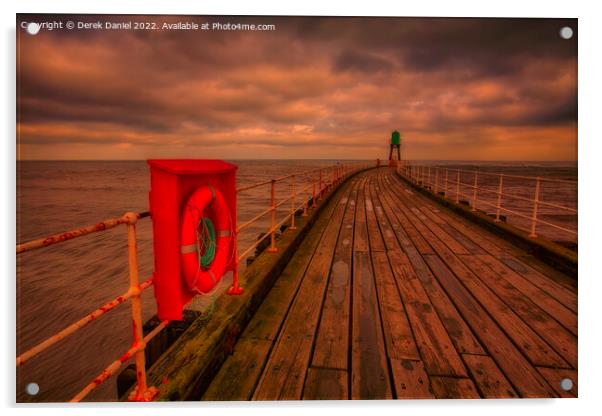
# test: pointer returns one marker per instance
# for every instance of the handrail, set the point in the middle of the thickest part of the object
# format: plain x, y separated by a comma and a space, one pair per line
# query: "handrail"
543, 179
142, 392
421, 175
318, 180
69, 235
315, 183
32, 352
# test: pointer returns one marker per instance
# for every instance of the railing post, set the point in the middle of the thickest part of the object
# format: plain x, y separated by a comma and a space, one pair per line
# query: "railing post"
292, 227
141, 392
313, 195
273, 248
499, 198
235, 289
320, 186
306, 200
436, 180
535, 206
334, 177
428, 178
446, 180
458, 187
474, 195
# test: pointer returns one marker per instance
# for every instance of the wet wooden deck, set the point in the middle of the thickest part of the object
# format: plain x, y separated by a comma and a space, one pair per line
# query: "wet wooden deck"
393, 296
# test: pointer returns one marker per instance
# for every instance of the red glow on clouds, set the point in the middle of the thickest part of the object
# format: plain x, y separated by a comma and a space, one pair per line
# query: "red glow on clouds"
314, 88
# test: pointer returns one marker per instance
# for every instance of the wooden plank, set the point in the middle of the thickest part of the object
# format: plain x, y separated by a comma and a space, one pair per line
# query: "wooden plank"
553, 281
538, 296
269, 317
361, 239
332, 341
238, 375
470, 230
410, 380
558, 337
554, 376
461, 335
454, 388
559, 292
326, 384
387, 232
530, 343
550, 272
453, 245
413, 238
525, 378
285, 370
434, 213
197, 355
470, 245
399, 339
494, 244
490, 381
266, 322
398, 333
467, 228
374, 234
436, 348
369, 372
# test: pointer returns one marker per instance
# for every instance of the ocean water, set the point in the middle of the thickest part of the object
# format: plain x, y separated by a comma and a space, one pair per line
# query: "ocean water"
60, 284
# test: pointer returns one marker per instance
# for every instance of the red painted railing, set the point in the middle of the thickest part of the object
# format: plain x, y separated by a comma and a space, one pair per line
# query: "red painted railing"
307, 187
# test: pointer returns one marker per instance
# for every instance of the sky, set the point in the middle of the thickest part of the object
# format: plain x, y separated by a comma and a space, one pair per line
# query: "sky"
328, 88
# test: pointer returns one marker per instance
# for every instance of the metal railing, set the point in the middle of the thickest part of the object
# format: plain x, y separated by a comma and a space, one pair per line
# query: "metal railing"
142, 392
309, 187
447, 183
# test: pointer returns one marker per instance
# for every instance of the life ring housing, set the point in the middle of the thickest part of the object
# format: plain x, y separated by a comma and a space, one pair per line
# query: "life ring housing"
206, 239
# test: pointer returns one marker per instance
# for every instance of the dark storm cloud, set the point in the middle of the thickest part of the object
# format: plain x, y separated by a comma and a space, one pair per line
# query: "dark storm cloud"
350, 60
312, 82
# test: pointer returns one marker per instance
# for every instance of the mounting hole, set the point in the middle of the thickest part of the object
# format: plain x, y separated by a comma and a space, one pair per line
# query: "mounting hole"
32, 389
33, 28
566, 384
566, 32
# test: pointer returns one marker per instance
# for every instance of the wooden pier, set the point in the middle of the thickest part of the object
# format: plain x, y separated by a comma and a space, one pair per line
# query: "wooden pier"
391, 295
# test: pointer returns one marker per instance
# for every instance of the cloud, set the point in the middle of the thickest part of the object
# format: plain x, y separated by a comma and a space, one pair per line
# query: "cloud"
315, 87
350, 60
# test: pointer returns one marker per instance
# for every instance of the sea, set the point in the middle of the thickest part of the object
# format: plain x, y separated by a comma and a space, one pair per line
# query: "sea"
60, 284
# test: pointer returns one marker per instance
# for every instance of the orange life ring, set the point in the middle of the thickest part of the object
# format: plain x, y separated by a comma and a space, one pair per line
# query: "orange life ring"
203, 265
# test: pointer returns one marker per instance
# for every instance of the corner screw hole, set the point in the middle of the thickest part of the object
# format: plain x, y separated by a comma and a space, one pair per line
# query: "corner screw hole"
32, 28
32, 389
566, 32
566, 384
